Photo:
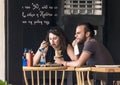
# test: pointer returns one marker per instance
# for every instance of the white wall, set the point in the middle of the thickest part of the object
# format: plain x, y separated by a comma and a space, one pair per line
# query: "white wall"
2, 41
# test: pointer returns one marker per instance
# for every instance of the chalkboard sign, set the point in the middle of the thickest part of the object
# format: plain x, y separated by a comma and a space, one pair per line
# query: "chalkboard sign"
37, 16
38, 13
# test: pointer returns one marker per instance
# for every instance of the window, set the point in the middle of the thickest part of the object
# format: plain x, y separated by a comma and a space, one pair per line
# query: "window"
83, 7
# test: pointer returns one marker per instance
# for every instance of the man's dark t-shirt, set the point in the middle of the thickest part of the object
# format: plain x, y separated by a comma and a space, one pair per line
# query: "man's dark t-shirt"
99, 54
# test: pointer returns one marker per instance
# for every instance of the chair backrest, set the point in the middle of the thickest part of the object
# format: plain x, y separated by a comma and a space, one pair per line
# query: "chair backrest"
80, 75
44, 70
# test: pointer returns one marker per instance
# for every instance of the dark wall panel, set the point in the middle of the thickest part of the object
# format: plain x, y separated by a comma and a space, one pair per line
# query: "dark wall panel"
27, 22
13, 43
113, 28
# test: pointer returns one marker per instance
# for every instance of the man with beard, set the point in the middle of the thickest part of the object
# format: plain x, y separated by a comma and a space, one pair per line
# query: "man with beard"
93, 53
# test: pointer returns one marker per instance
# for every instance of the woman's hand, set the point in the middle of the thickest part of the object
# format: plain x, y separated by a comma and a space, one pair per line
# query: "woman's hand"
44, 44
59, 60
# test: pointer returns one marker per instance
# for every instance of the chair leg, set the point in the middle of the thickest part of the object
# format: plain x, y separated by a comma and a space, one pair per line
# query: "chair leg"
55, 77
63, 75
43, 77
88, 78
32, 77
82, 78
50, 78
38, 78
26, 82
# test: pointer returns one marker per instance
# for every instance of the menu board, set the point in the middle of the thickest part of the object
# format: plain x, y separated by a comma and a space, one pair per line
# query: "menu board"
38, 12
37, 16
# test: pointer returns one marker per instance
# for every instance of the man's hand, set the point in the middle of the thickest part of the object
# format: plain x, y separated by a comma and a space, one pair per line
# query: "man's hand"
75, 42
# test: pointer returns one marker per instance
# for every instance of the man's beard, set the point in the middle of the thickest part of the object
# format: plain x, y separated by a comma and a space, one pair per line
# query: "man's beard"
82, 41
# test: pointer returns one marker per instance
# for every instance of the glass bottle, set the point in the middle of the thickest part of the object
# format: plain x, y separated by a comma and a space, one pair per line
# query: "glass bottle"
43, 58
24, 60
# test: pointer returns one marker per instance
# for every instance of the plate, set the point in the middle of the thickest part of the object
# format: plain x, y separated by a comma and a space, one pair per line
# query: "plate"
108, 66
49, 65
54, 65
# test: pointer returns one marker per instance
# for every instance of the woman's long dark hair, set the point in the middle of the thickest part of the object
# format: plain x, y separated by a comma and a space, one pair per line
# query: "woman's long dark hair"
58, 32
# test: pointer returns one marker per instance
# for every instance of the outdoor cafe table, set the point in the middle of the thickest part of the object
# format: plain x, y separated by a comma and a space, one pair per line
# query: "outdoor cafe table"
57, 68
106, 69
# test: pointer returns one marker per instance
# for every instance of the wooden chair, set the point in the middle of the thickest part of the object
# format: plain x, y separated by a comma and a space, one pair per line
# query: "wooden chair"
44, 70
80, 75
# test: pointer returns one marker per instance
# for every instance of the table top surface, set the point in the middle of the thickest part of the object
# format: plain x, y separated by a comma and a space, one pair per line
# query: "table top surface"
106, 69
83, 69
35, 68
60, 68
32, 68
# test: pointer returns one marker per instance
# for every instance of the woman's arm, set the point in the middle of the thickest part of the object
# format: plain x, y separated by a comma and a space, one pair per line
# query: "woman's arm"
37, 56
70, 52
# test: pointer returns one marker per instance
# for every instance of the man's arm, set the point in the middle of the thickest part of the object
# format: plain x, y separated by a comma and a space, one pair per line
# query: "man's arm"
77, 63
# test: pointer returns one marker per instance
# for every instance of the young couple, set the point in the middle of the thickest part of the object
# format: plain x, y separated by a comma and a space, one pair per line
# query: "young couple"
93, 52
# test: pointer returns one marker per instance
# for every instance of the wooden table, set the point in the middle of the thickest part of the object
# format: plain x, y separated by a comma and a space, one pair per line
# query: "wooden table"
106, 70
60, 68
43, 69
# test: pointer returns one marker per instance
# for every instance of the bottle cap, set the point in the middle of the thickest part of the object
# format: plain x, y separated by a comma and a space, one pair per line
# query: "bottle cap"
25, 49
